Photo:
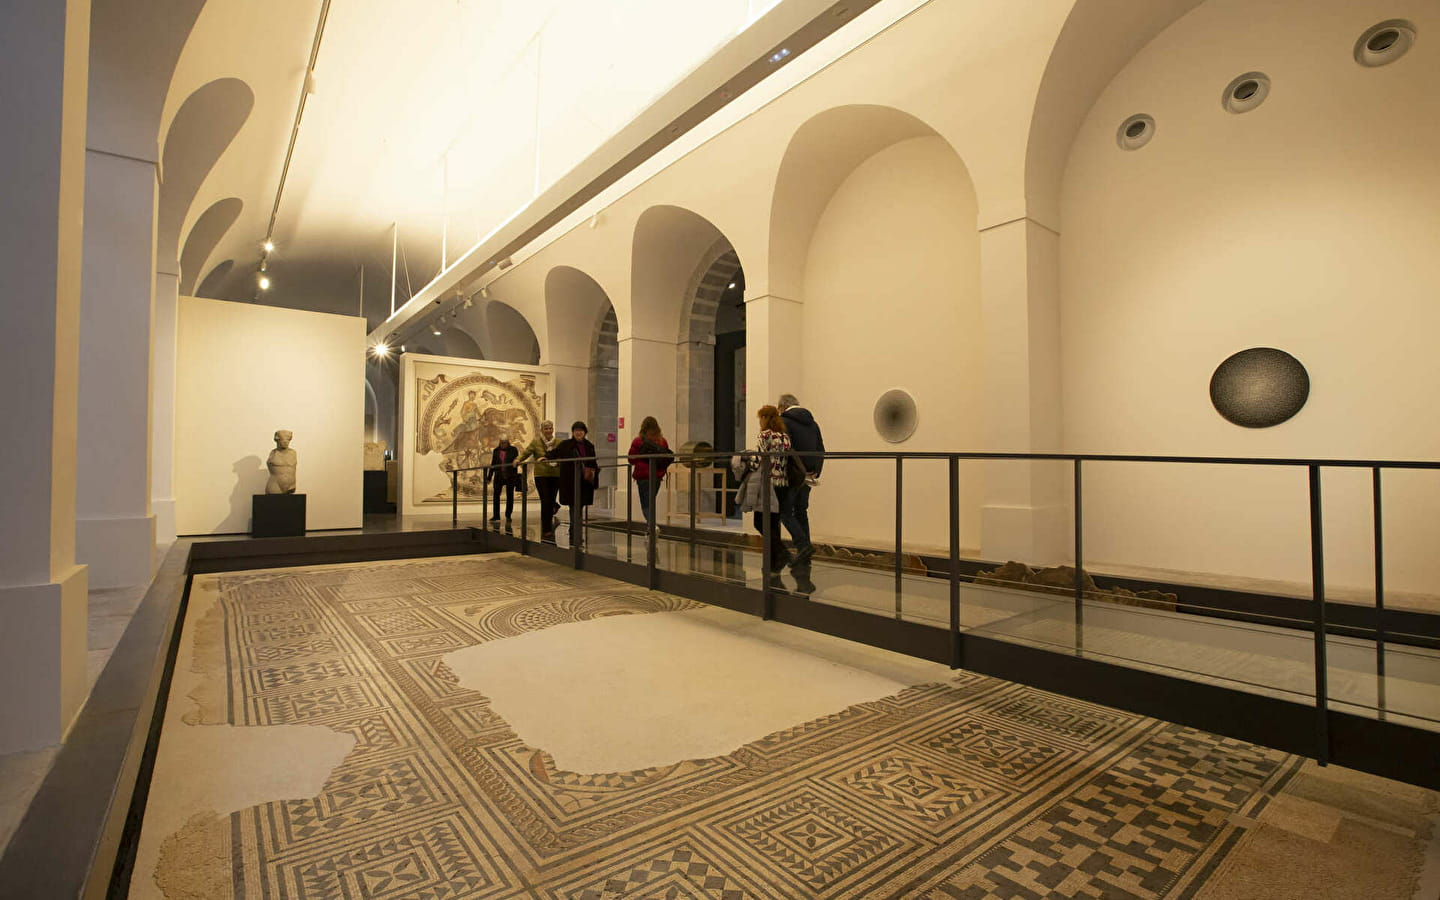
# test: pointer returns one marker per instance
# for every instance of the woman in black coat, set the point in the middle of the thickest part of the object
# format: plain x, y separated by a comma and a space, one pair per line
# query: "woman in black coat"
574, 448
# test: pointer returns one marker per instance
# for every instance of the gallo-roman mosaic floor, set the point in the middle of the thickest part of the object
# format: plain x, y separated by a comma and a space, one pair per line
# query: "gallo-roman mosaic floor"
375, 772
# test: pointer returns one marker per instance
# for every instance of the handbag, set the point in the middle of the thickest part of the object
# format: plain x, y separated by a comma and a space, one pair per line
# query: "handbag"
795, 472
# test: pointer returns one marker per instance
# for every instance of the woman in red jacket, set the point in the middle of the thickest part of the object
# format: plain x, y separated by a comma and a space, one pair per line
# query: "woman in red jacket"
648, 443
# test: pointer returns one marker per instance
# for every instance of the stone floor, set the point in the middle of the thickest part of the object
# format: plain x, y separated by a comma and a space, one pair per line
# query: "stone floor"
497, 727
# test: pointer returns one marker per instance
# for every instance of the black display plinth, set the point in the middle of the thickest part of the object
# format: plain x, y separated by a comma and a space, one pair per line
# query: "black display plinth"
277, 515
377, 491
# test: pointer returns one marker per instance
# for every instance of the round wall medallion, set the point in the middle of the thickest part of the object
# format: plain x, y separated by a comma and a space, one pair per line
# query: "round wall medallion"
895, 416
1246, 92
1135, 132
1259, 387
1384, 43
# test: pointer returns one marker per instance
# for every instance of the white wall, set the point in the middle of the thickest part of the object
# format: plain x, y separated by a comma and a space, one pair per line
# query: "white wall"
242, 373
891, 300
1307, 224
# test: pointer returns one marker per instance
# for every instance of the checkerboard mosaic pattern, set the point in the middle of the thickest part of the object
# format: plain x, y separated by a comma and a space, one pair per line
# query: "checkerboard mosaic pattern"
973, 788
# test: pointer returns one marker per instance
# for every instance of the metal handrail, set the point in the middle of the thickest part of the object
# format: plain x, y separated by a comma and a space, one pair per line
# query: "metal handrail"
953, 459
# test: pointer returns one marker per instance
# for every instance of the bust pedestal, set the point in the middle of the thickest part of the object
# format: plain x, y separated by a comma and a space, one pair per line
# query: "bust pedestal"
277, 515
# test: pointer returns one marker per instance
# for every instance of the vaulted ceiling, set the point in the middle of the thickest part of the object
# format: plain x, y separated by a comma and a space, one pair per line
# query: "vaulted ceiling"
425, 125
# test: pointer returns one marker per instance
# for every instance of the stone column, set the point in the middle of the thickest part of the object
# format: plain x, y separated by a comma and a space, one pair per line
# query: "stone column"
44, 47
1025, 511
773, 328
162, 404
114, 530
571, 402
647, 388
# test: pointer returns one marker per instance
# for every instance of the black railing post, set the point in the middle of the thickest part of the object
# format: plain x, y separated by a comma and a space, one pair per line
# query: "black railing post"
629, 509
767, 595
1079, 567
653, 520
899, 534
1317, 582
524, 471
1379, 592
956, 658
576, 514
454, 498
694, 508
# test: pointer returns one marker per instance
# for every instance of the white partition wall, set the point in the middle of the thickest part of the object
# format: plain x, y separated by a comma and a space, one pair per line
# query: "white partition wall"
245, 371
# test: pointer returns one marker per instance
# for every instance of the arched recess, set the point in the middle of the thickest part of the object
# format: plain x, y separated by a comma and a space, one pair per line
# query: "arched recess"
203, 127
134, 49
381, 375
822, 153
874, 234
1099, 37
681, 265
1305, 224
210, 287
507, 336
372, 411
204, 236
460, 344
604, 400
584, 355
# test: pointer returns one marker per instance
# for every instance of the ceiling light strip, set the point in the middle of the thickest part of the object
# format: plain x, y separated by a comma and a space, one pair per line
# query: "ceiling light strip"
832, 19
299, 113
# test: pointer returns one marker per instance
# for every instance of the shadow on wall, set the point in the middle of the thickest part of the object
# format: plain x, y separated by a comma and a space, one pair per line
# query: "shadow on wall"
250, 478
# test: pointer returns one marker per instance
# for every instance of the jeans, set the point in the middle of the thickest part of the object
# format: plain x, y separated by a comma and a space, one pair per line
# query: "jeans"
549, 488
509, 487
648, 491
795, 513
779, 556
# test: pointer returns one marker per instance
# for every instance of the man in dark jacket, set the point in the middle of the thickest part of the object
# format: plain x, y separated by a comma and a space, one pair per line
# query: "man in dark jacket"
808, 443
503, 474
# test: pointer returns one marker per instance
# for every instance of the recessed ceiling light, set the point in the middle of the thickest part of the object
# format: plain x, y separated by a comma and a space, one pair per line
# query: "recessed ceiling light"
1135, 132
264, 282
779, 54
1245, 92
268, 246
732, 284
1384, 43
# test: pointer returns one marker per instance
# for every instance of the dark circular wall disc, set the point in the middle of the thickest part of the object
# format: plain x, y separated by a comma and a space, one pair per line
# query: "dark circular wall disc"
895, 416
1259, 387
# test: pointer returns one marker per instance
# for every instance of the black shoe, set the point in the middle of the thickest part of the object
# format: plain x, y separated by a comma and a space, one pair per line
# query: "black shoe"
802, 557
495, 521
778, 564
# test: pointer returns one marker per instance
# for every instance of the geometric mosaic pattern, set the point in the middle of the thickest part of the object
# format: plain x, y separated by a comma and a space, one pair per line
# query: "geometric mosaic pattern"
973, 788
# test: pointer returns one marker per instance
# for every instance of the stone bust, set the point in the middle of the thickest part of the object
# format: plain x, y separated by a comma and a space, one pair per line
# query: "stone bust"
281, 464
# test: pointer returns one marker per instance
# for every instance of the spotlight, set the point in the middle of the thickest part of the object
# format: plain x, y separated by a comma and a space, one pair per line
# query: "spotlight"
732, 284
485, 292
264, 282
381, 350
434, 330
779, 54
469, 302
268, 246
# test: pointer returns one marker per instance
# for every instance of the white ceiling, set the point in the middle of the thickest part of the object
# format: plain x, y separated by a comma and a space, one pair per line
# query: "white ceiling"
442, 118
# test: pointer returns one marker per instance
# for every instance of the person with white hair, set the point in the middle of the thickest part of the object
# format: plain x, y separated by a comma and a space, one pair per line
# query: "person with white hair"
808, 444
547, 476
